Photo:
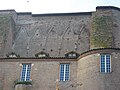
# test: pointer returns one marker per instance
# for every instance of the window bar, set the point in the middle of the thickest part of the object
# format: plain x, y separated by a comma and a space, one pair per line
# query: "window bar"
64, 71
26, 72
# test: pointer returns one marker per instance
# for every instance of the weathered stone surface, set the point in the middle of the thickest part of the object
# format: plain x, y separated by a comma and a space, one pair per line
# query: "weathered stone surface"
101, 33
57, 34
6, 34
89, 76
23, 87
27, 34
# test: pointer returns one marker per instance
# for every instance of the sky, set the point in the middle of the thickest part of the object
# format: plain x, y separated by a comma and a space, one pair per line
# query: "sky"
55, 6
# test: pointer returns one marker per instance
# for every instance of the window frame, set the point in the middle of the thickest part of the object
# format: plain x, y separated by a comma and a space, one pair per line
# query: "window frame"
72, 54
64, 77
26, 72
42, 55
12, 55
105, 65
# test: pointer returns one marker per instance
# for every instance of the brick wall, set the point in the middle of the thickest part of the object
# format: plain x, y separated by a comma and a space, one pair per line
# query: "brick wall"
43, 74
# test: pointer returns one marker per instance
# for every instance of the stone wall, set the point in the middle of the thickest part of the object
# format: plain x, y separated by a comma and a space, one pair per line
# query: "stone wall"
23, 87
6, 34
105, 28
43, 74
55, 34
116, 28
90, 77
88, 73
101, 34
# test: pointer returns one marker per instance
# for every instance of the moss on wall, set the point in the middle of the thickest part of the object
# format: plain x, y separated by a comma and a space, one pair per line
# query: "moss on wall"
4, 26
101, 34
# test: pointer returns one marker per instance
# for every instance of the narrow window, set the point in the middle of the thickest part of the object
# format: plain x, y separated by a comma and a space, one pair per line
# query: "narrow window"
105, 63
25, 73
64, 72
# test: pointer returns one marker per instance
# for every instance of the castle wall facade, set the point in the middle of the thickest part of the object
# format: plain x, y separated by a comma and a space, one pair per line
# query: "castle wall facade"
65, 51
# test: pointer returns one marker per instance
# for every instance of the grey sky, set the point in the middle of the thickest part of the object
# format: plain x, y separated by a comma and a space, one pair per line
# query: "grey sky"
56, 6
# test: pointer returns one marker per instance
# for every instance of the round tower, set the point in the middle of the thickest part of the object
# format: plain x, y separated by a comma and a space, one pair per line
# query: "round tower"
98, 69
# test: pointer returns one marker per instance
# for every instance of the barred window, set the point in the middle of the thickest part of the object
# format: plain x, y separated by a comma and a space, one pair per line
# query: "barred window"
105, 63
25, 73
64, 72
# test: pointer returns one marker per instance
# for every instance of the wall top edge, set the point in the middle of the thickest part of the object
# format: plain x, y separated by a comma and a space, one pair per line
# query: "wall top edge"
24, 13
7, 10
107, 7
63, 14
55, 14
